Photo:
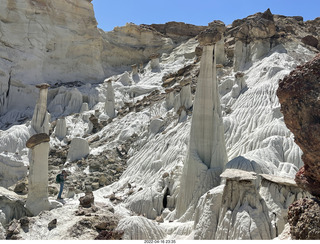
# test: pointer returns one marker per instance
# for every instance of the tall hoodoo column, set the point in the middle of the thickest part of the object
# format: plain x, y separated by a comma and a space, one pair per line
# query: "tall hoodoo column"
110, 101
154, 61
61, 128
40, 118
134, 69
207, 155
37, 200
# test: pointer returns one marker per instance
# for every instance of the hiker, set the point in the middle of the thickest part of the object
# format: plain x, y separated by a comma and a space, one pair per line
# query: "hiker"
60, 179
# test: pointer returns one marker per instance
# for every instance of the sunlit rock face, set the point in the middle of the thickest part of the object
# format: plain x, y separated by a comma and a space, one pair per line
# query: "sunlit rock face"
299, 97
207, 153
252, 36
46, 41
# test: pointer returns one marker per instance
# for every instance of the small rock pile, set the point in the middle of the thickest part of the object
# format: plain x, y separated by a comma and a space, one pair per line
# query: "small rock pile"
90, 174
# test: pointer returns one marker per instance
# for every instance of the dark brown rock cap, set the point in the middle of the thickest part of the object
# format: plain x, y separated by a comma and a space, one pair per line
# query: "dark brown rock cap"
37, 139
154, 56
212, 34
43, 86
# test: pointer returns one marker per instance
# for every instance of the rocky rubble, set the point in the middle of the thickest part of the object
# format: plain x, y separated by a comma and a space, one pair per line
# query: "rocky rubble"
304, 219
90, 173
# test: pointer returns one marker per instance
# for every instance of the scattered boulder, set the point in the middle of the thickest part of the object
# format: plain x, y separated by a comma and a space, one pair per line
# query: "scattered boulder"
159, 219
13, 230
155, 125
79, 148
21, 188
24, 221
87, 201
53, 191
310, 41
52, 224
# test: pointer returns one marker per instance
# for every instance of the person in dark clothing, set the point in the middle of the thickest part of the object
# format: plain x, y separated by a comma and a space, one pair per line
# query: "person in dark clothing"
60, 179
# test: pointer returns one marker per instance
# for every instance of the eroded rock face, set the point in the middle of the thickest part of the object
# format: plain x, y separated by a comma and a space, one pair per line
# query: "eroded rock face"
310, 40
257, 26
304, 219
43, 42
212, 34
249, 206
178, 31
299, 97
129, 44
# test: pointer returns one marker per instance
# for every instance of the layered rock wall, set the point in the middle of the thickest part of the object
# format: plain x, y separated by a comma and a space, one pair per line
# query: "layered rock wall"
57, 41
46, 41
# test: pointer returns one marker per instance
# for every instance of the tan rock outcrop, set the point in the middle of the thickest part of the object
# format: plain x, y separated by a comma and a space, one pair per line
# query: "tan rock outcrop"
129, 44
178, 31
212, 34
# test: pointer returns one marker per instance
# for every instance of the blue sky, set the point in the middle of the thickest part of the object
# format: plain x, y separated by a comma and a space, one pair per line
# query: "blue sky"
112, 13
